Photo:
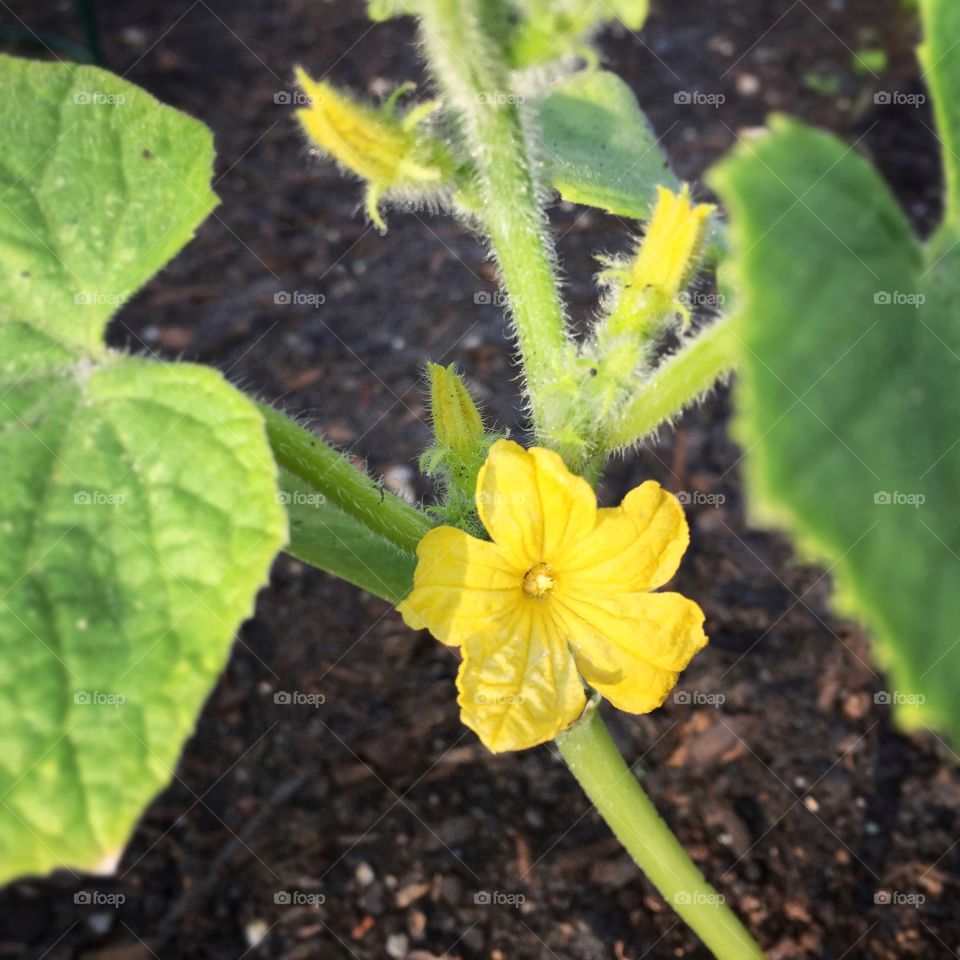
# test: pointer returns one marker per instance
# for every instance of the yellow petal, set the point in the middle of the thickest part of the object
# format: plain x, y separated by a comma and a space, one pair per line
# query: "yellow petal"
636, 546
532, 505
666, 629
648, 637
462, 586
362, 139
518, 684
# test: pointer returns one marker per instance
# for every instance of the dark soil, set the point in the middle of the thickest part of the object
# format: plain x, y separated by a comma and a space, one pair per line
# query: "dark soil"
795, 795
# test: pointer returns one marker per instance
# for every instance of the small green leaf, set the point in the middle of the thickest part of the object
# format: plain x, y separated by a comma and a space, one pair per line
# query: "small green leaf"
848, 405
599, 147
551, 29
324, 536
380, 10
101, 185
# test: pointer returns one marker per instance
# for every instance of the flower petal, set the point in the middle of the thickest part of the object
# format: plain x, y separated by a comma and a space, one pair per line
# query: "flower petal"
519, 684
636, 546
650, 637
461, 586
533, 507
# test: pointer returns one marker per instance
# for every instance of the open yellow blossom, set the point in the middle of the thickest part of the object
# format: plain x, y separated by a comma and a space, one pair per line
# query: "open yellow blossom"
561, 593
663, 265
388, 153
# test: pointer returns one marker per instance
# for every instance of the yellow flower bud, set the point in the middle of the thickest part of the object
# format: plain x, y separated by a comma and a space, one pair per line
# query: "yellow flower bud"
664, 263
372, 143
457, 424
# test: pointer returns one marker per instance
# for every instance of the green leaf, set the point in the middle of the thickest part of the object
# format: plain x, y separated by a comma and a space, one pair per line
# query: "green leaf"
938, 56
139, 515
599, 147
848, 406
326, 537
100, 187
380, 10
551, 29
138, 500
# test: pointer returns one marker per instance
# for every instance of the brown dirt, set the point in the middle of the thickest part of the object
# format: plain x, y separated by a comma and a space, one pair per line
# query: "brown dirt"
795, 794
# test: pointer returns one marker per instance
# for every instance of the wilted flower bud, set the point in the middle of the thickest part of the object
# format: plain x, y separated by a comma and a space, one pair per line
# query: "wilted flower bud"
388, 153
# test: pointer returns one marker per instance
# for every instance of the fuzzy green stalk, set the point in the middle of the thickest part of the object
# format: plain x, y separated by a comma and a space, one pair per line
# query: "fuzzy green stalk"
674, 385
353, 491
474, 76
595, 761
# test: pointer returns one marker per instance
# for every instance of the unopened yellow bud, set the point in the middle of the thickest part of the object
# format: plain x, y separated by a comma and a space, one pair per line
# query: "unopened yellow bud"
663, 266
457, 424
386, 152
671, 247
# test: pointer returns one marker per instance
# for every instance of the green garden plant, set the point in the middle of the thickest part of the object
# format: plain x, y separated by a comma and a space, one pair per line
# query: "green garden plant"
141, 502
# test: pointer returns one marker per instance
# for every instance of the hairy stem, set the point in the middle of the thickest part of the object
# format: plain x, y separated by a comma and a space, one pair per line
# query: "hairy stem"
475, 78
597, 764
675, 384
354, 492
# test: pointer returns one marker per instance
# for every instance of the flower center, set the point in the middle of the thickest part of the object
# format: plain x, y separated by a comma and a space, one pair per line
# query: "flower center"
538, 581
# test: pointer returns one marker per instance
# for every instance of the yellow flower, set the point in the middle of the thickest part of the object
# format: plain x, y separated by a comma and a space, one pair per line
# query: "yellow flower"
663, 265
561, 593
386, 152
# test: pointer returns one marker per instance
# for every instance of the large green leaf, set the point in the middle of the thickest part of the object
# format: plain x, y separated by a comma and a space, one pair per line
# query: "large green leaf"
599, 147
941, 62
138, 500
848, 405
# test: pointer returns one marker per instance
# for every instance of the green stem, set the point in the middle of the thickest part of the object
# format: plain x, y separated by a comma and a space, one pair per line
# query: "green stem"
596, 762
326, 471
475, 77
675, 384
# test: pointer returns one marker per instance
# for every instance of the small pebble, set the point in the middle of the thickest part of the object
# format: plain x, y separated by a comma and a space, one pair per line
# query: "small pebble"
397, 946
364, 874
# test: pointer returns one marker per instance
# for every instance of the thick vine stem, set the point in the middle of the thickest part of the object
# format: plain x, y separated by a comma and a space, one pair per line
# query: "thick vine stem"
354, 492
475, 78
595, 761
674, 385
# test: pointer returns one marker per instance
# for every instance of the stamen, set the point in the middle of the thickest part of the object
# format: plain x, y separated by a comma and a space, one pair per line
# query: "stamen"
538, 581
